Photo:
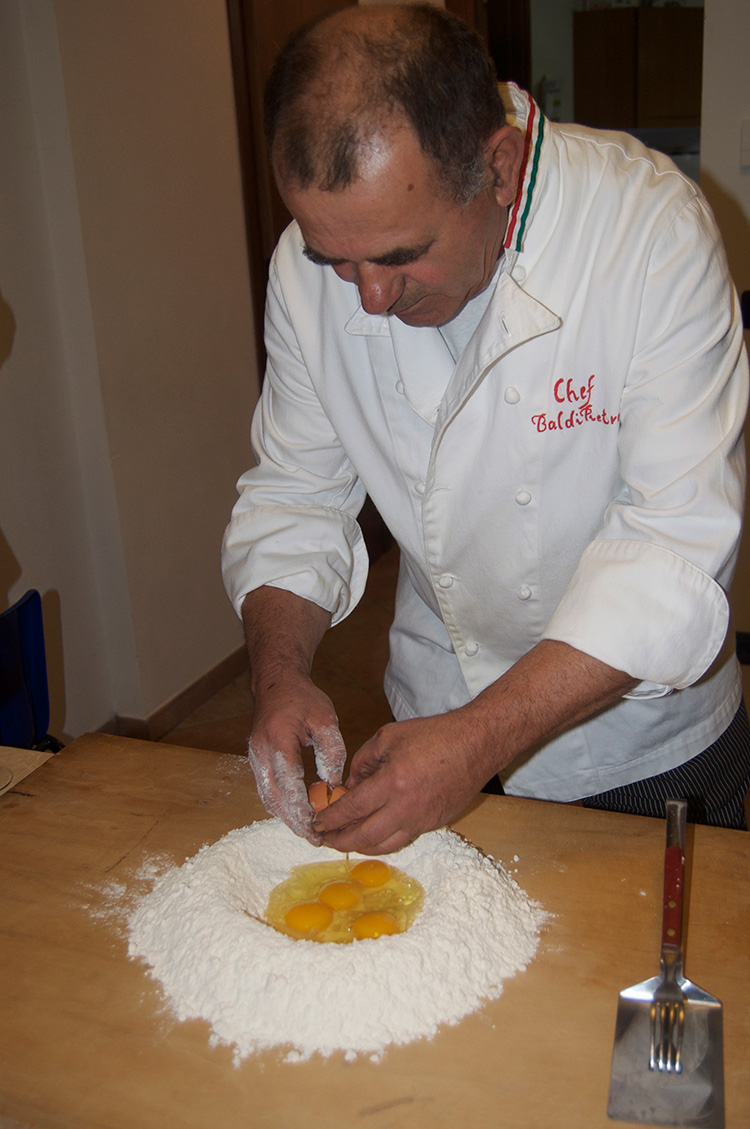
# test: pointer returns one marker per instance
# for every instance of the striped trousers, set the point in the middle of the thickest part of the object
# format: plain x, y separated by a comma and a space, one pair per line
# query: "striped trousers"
714, 783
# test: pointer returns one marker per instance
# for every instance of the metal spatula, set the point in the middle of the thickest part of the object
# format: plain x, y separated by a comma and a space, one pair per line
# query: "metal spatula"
668, 1058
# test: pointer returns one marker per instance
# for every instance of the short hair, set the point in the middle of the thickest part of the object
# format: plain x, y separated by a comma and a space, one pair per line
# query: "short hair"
341, 80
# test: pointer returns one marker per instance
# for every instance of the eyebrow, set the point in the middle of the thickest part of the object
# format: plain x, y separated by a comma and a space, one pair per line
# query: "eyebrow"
399, 257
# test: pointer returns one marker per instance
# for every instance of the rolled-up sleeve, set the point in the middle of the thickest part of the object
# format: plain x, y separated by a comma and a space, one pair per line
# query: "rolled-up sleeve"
294, 524
649, 593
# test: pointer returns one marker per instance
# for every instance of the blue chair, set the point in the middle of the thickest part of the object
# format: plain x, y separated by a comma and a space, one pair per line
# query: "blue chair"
24, 694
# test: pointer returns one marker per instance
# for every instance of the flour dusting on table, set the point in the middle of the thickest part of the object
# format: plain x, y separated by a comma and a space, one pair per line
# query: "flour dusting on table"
200, 930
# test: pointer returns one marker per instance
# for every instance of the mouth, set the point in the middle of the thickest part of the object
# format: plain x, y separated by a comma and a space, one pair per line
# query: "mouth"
401, 307
411, 310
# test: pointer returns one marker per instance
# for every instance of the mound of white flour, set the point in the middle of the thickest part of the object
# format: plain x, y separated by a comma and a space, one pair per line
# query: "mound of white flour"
200, 929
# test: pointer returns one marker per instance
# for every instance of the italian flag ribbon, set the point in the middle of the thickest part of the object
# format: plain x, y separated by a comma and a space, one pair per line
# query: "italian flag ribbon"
527, 178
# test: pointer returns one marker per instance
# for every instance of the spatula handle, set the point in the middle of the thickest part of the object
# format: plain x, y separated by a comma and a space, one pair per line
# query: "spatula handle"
674, 875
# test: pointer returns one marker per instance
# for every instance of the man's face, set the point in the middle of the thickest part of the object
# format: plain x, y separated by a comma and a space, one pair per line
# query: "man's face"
412, 252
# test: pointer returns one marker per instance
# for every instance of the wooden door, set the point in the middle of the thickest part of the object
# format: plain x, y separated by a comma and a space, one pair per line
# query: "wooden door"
638, 67
508, 32
670, 66
258, 29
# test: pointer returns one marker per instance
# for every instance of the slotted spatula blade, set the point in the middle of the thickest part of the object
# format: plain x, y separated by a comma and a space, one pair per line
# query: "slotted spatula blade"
694, 1097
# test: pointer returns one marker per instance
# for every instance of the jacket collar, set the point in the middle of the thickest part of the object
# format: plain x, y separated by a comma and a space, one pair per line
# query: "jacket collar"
523, 112
512, 317
368, 325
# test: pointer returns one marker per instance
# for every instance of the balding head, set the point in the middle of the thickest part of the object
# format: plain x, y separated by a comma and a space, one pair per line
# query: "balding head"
344, 81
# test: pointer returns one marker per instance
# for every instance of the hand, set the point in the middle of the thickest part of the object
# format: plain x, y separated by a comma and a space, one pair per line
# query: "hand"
290, 715
411, 777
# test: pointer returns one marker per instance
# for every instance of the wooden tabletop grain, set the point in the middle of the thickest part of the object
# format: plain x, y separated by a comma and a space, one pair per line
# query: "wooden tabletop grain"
87, 1041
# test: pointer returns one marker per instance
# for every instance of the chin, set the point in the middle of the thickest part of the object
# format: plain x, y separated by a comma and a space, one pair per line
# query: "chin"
423, 318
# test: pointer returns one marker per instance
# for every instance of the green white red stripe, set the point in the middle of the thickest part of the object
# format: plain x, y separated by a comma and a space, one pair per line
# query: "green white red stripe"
527, 179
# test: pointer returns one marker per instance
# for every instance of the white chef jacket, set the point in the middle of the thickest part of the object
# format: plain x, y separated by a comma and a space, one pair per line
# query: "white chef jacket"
578, 475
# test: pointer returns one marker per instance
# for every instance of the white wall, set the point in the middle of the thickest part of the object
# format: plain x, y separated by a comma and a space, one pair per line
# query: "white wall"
726, 102
56, 482
126, 320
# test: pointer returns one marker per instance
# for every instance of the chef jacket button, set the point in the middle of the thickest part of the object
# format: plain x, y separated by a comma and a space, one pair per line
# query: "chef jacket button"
512, 395
445, 581
400, 387
420, 488
524, 592
471, 649
523, 497
519, 274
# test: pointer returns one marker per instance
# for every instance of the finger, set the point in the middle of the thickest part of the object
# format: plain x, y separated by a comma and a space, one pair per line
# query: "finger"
261, 767
281, 786
368, 840
330, 753
361, 825
396, 842
295, 810
353, 807
370, 758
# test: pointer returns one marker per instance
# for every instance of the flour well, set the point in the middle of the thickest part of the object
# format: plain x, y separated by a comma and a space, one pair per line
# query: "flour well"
200, 930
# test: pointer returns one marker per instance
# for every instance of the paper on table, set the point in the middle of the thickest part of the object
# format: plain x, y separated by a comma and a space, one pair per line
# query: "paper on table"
19, 763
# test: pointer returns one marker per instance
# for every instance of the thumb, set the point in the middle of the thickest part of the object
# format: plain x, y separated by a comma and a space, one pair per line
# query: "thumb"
330, 754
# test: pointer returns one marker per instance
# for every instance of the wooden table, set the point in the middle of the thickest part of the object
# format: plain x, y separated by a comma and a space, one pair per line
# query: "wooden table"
86, 1042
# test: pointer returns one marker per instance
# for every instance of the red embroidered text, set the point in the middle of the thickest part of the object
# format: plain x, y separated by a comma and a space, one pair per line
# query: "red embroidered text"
578, 408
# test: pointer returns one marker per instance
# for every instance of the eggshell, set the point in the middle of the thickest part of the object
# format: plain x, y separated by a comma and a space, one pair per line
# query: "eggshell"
317, 794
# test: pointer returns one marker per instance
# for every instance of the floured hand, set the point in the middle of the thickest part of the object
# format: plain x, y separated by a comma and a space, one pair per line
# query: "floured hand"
411, 777
417, 775
289, 716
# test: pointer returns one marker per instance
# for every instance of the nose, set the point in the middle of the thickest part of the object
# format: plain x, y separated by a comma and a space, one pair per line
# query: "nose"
379, 287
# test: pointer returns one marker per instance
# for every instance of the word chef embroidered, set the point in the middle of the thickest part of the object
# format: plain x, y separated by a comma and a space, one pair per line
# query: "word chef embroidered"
577, 407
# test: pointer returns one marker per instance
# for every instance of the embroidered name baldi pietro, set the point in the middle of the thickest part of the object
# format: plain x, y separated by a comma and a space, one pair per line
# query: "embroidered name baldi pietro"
577, 408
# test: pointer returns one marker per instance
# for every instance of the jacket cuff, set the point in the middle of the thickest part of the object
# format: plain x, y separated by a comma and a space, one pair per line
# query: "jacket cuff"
643, 609
315, 552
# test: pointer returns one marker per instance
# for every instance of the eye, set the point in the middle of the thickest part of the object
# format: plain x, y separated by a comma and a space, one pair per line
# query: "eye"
403, 256
320, 260
401, 259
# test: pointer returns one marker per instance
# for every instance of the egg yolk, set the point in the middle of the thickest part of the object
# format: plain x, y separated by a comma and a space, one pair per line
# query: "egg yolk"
309, 917
340, 895
322, 901
371, 872
371, 925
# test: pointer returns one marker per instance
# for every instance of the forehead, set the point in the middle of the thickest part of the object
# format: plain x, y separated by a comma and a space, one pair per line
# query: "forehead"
395, 202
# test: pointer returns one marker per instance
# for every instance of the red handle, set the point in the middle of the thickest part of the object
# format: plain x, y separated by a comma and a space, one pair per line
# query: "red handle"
674, 880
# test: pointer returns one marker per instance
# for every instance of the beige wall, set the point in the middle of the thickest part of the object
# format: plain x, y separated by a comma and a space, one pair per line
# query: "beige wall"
129, 381
726, 102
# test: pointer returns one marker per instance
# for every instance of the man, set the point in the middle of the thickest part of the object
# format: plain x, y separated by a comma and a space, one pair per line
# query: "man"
521, 340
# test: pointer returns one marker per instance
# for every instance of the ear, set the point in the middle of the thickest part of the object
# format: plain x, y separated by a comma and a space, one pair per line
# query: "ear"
504, 157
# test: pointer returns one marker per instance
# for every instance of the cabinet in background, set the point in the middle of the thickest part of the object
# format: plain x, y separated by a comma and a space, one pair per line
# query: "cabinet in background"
638, 68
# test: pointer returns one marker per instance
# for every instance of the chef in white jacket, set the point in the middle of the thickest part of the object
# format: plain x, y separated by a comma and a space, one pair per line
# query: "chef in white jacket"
521, 340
